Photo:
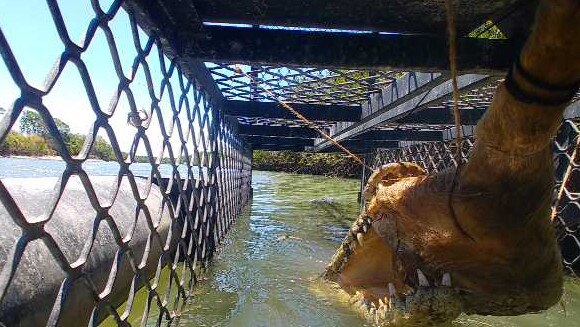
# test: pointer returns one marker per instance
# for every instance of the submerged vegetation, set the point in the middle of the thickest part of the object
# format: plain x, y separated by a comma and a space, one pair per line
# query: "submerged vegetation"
327, 164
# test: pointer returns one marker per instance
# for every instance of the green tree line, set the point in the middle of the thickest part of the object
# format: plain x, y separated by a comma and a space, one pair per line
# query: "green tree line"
327, 164
35, 140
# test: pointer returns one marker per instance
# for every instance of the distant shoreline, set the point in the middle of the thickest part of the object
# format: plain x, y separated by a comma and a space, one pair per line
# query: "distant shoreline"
49, 158
325, 164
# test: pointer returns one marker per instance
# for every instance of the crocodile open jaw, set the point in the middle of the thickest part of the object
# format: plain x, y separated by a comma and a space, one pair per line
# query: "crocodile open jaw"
367, 269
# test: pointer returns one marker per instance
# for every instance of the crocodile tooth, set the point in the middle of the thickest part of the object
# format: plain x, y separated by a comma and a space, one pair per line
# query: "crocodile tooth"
446, 280
359, 237
365, 228
422, 279
380, 310
388, 303
349, 238
381, 303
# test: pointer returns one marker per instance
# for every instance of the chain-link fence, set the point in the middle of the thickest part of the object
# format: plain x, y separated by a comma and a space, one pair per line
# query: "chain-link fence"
141, 235
437, 156
566, 209
302, 85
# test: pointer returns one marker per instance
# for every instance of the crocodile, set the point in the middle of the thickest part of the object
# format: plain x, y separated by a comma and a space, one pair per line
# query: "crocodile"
478, 238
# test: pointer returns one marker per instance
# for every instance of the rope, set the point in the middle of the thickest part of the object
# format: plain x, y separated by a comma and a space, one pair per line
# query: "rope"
452, 32
303, 119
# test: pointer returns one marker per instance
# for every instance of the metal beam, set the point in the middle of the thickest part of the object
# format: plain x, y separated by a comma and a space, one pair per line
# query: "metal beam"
255, 109
354, 144
363, 146
278, 141
305, 132
270, 147
347, 50
442, 115
284, 131
400, 88
415, 102
399, 91
400, 135
411, 16
466, 130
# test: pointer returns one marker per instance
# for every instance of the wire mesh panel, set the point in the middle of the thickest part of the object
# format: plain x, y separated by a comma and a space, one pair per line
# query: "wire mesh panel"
301, 85
566, 210
174, 176
431, 156
437, 156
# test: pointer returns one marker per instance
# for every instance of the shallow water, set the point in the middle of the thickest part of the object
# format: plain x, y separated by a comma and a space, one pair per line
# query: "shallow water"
264, 274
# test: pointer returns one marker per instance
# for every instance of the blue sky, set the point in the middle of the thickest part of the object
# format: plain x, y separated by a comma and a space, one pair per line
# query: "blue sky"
33, 38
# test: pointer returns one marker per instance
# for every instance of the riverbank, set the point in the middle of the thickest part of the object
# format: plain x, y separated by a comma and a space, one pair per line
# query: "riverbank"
54, 158
325, 164
49, 158
45, 146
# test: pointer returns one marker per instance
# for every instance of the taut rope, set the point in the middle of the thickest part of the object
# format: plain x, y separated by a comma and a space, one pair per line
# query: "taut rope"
452, 34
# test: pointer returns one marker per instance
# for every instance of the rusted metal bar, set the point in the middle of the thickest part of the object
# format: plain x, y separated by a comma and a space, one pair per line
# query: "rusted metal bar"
227, 44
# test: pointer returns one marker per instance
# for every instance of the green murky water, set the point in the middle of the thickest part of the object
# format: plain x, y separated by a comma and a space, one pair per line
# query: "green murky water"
264, 274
